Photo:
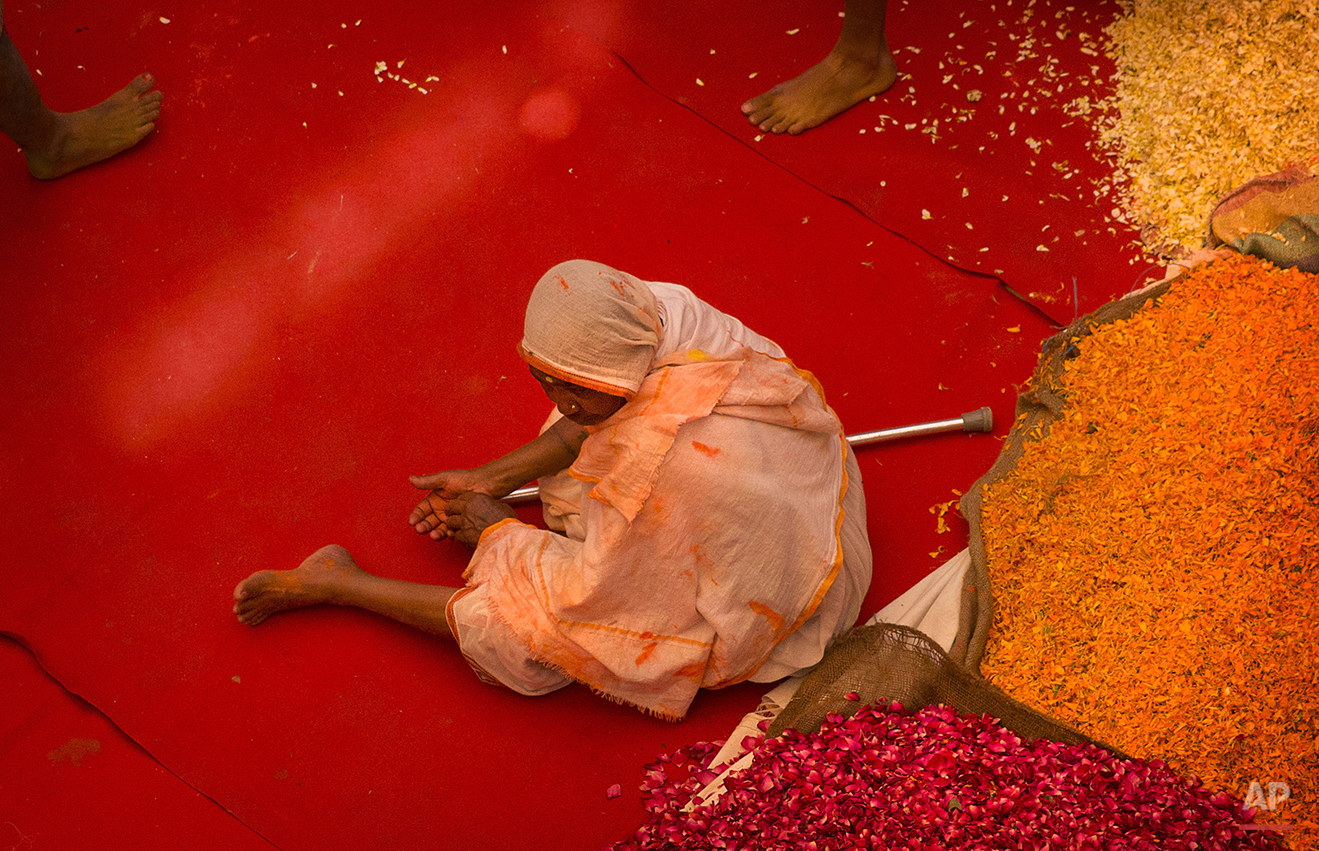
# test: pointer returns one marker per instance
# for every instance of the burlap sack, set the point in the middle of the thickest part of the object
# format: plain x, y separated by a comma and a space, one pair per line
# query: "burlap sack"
888, 662
1275, 217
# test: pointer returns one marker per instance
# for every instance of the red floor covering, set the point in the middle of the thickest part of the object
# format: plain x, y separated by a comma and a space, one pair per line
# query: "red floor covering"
1003, 185
74, 780
232, 344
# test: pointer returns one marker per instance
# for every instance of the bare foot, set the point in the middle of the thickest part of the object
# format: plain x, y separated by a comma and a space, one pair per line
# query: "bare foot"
835, 84
99, 132
319, 579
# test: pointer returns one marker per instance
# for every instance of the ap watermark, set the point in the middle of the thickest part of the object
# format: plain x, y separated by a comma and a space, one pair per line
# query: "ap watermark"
1278, 794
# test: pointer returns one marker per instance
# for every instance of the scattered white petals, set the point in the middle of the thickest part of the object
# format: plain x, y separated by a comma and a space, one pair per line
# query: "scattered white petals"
925, 214
699, 82
164, 20
506, 48
752, 75
794, 32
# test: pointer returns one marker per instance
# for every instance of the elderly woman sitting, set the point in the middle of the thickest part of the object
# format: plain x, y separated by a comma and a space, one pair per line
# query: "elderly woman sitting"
706, 514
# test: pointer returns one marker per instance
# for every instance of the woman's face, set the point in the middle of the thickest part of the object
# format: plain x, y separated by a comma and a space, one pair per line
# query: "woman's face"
579, 404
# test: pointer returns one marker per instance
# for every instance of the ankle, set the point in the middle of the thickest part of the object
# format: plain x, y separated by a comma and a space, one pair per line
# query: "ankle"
866, 55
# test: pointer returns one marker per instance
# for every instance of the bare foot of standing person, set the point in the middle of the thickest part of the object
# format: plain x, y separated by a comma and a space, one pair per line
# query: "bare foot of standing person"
860, 66
56, 143
79, 139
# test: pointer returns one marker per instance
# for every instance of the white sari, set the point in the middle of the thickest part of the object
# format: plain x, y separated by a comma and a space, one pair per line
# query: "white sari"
712, 531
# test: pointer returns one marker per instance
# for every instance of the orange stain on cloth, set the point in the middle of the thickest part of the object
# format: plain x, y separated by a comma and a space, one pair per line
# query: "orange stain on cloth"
1155, 552
775, 619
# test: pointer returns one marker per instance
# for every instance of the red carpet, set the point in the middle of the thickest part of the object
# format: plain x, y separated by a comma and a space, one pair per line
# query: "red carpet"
73, 780
1002, 185
232, 344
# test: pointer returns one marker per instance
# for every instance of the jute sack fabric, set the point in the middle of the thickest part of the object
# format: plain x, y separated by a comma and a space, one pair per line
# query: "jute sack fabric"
887, 662
1275, 217
884, 662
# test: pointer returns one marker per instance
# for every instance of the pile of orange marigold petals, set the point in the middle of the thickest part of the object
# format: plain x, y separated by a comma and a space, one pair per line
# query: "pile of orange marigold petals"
1155, 553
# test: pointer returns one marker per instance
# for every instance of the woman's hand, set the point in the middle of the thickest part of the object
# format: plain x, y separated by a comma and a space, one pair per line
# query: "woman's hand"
471, 513
551, 451
445, 487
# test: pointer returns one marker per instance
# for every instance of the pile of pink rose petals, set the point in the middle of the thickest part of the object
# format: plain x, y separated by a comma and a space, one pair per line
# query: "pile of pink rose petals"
890, 779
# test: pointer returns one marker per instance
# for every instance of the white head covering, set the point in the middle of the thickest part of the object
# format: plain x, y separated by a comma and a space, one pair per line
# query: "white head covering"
592, 326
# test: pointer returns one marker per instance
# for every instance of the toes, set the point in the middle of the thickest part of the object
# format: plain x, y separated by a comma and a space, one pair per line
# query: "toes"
251, 618
141, 84
252, 612
760, 109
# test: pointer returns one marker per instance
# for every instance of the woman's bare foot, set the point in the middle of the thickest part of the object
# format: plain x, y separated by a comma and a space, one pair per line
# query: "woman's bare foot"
88, 136
319, 579
835, 84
